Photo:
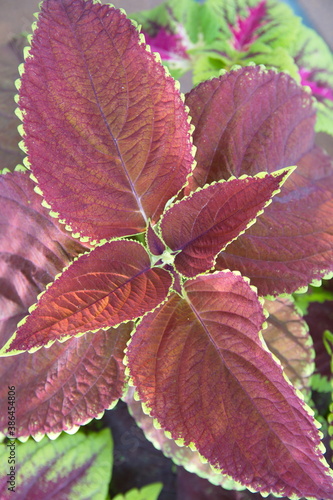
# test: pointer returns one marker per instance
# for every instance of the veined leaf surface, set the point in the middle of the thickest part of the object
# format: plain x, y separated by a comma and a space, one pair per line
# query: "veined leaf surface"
201, 225
65, 386
112, 284
105, 128
215, 385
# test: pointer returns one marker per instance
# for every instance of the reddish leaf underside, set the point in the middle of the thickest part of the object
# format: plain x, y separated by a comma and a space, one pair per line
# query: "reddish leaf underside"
65, 386
112, 284
250, 120
33, 249
201, 225
287, 337
181, 455
213, 384
105, 129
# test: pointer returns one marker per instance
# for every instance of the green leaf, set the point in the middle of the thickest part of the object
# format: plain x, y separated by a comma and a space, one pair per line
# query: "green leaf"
149, 492
74, 467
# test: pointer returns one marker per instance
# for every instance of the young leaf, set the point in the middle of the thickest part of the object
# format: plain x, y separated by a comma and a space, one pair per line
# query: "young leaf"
72, 467
215, 385
63, 387
287, 337
111, 285
199, 226
154, 242
106, 130
292, 242
33, 248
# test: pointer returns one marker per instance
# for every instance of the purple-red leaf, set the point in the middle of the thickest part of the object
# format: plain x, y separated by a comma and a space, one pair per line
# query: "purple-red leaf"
288, 338
214, 385
112, 284
67, 385
201, 225
106, 130
291, 244
249, 121
33, 249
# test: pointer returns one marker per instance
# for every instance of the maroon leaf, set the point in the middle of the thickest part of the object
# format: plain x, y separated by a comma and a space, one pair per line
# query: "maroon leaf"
67, 385
292, 242
201, 225
106, 131
33, 249
249, 121
288, 338
214, 385
111, 285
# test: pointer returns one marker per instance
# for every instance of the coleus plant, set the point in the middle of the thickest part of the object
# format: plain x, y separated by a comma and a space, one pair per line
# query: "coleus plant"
216, 34
161, 253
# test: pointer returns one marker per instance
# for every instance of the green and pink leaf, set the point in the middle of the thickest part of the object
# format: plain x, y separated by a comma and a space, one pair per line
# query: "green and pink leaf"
315, 65
62, 468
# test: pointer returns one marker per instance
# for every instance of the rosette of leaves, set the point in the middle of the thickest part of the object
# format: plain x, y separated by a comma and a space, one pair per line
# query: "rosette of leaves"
165, 245
217, 34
